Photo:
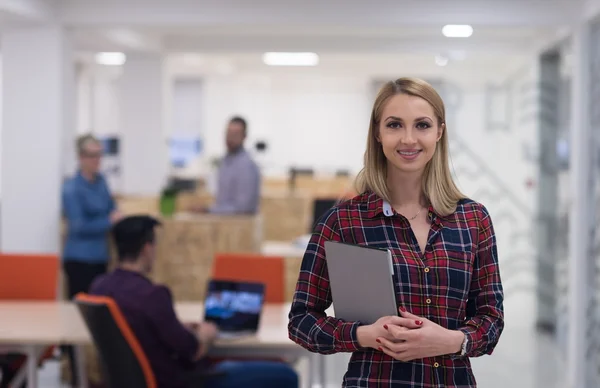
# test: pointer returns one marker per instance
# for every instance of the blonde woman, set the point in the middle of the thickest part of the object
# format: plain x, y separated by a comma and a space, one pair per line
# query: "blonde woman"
444, 250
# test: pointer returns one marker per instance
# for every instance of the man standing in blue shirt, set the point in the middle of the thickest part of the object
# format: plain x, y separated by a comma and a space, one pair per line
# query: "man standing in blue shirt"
238, 187
89, 211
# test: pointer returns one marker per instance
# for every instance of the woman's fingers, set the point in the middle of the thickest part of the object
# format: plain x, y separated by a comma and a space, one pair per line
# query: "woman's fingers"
406, 322
392, 346
401, 355
398, 332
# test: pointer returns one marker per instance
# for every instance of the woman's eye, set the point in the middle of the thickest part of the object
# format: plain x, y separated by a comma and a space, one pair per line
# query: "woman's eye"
394, 125
423, 125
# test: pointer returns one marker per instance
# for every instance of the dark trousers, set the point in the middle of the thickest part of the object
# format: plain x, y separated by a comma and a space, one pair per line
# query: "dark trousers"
9, 365
80, 276
252, 374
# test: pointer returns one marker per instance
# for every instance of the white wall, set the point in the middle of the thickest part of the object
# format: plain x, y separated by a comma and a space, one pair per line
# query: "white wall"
144, 162
1, 105
98, 100
299, 116
187, 106
38, 78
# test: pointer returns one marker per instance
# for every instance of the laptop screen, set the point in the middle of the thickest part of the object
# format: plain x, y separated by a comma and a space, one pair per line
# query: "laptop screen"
234, 306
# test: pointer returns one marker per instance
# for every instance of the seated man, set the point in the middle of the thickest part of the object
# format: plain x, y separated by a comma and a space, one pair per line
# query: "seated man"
174, 349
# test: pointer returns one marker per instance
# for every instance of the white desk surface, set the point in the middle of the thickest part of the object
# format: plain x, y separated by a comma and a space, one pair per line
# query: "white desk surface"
41, 323
48, 323
282, 248
272, 332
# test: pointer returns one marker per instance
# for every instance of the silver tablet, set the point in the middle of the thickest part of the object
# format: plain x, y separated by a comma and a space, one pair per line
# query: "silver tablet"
361, 281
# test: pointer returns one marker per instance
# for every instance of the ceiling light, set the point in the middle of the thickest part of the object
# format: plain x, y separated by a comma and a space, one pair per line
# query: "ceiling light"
110, 59
290, 59
457, 30
441, 61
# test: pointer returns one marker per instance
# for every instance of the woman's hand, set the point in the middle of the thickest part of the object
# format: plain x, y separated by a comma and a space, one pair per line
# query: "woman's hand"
368, 334
429, 340
115, 216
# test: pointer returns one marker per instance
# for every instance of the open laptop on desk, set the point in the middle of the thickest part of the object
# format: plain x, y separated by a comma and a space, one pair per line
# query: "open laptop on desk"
234, 306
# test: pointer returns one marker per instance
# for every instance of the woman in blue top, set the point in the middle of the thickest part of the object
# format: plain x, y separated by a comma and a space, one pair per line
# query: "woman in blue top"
89, 211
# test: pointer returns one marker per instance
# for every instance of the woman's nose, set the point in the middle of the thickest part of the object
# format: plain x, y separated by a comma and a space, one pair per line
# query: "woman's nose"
408, 137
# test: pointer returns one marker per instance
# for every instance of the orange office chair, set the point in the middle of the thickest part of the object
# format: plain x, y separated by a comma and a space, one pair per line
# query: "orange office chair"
124, 362
27, 277
250, 267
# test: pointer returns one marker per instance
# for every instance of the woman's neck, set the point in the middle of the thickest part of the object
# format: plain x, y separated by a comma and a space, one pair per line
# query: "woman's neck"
89, 176
405, 189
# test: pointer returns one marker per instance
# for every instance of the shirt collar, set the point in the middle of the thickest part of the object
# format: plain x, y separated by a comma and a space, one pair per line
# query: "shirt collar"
82, 178
240, 151
131, 273
377, 206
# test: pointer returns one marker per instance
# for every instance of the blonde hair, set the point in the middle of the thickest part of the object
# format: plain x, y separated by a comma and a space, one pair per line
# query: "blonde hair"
437, 184
83, 140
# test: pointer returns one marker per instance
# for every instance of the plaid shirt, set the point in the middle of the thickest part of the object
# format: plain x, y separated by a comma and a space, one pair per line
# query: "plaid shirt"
456, 285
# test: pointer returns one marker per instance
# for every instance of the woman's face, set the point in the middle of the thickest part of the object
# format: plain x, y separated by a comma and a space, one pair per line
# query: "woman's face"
408, 133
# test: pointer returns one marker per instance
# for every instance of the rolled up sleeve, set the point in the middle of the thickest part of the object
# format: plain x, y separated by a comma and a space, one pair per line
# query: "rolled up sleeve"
485, 313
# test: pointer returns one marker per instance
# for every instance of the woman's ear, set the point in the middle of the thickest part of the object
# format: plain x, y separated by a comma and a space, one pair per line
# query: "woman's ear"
377, 137
441, 130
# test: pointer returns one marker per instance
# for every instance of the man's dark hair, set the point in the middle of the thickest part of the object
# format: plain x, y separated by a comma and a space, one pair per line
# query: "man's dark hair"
241, 121
131, 234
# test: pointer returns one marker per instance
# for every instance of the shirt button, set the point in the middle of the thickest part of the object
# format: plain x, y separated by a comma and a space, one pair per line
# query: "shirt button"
428, 301
426, 269
435, 365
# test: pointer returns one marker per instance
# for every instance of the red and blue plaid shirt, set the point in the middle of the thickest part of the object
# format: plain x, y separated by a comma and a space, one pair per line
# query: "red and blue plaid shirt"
455, 283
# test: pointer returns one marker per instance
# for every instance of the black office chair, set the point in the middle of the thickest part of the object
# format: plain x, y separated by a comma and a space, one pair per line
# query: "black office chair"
123, 360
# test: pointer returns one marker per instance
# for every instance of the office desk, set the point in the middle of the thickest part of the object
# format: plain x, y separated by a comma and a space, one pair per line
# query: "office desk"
272, 332
289, 250
30, 327
271, 340
33, 326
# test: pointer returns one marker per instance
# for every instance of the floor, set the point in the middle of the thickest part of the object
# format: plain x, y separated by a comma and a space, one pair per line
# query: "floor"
523, 359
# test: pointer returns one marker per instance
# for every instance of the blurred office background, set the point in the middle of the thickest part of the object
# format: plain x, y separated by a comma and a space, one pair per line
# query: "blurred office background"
157, 81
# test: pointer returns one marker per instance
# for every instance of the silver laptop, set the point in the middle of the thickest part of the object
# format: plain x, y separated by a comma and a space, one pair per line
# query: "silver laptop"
361, 281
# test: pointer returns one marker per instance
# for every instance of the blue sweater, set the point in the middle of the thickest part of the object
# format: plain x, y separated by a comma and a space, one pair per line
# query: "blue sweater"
87, 207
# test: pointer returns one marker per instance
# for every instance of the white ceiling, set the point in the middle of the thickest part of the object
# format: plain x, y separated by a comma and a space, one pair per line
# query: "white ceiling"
332, 26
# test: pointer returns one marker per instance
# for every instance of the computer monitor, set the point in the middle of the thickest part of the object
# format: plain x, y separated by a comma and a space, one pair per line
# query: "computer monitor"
320, 207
